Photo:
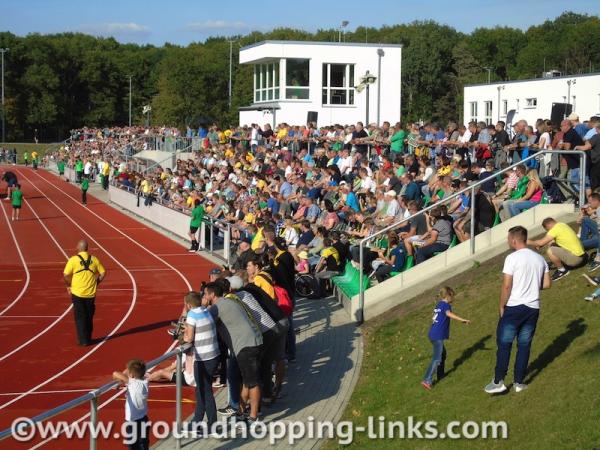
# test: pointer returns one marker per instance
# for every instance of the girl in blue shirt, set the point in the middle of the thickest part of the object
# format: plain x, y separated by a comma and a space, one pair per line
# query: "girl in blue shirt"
440, 331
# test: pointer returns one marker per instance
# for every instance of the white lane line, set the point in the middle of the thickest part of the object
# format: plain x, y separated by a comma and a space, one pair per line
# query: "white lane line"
58, 318
102, 405
162, 269
81, 391
27, 278
26, 317
189, 286
113, 331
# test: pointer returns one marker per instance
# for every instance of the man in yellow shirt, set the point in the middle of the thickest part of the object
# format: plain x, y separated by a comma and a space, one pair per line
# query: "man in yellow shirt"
565, 247
82, 274
105, 174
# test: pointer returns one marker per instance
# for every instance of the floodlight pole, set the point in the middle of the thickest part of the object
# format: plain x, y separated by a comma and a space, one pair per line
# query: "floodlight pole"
230, 70
129, 100
367, 96
3, 51
380, 53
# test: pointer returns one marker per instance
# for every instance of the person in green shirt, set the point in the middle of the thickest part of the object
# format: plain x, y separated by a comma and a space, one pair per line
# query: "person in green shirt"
79, 169
26, 158
397, 140
85, 184
17, 201
197, 217
60, 165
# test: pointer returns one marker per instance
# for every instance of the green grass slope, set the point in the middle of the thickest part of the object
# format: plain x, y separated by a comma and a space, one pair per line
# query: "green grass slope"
29, 147
559, 410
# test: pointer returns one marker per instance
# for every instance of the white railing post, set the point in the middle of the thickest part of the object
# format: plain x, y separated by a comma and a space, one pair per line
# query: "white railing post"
361, 289
178, 413
472, 243
93, 422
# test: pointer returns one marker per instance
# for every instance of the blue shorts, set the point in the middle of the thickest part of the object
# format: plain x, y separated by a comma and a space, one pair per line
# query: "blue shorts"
12, 182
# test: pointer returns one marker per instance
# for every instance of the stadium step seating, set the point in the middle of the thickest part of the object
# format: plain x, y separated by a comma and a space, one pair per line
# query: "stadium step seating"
349, 282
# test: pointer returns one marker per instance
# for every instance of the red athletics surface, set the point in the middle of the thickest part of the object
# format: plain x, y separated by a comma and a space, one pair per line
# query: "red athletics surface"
141, 294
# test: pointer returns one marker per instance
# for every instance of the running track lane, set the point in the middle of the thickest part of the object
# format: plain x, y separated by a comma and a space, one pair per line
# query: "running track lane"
159, 301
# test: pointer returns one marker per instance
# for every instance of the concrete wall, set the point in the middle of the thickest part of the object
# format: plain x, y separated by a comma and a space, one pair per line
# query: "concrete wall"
583, 94
454, 261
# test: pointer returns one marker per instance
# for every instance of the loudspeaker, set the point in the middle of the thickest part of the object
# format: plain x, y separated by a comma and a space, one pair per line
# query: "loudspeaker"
312, 116
560, 111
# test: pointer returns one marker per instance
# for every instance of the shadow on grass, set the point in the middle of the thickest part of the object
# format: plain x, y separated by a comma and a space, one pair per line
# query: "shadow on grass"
557, 347
468, 353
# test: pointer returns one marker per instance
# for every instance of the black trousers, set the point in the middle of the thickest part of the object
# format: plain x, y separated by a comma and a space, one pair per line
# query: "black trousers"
138, 432
595, 175
83, 310
105, 182
83, 197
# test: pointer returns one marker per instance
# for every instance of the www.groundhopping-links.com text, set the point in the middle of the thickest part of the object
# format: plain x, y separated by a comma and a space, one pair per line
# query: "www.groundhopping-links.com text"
24, 430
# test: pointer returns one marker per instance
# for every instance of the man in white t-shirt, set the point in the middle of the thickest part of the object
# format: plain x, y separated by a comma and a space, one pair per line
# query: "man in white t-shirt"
136, 404
525, 274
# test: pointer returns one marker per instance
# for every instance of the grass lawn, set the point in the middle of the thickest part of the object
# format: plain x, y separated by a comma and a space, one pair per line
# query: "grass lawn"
29, 147
561, 408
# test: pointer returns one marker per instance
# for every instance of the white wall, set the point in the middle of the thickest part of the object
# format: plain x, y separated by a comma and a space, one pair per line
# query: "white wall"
452, 262
364, 57
584, 95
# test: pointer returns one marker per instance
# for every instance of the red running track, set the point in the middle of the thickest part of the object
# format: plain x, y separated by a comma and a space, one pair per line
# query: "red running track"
40, 362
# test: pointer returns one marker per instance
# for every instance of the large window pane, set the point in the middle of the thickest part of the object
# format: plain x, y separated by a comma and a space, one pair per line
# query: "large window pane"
276, 74
338, 97
338, 75
297, 72
296, 93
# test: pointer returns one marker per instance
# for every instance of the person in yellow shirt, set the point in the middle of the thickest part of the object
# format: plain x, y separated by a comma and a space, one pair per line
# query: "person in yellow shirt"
260, 278
565, 250
82, 275
105, 174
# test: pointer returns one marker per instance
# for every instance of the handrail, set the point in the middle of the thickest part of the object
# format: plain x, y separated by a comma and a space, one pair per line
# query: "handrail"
361, 294
93, 395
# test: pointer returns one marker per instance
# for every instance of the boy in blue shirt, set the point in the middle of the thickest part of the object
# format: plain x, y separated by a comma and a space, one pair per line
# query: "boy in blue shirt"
440, 331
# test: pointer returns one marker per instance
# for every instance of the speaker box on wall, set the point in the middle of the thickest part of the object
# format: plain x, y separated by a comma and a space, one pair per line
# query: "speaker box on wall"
312, 116
560, 111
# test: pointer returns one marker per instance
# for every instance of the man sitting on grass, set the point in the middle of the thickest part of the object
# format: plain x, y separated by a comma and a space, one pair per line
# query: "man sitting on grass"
565, 247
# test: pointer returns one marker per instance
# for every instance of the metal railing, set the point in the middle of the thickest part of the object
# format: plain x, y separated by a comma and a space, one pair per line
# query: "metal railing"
537, 155
211, 223
92, 398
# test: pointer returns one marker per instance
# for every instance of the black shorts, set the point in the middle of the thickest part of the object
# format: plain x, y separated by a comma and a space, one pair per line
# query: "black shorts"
12, 182
174, 379
193, 230
16, 206
248, 360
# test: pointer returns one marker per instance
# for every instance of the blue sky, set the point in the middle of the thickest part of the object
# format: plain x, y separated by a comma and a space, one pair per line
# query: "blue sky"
184, 21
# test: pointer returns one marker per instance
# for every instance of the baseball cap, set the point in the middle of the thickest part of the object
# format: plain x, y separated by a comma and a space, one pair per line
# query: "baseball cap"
235, 282
215, 271
573, 116
246, 239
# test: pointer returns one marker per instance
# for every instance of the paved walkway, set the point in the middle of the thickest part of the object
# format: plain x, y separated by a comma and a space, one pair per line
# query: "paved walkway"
319, 383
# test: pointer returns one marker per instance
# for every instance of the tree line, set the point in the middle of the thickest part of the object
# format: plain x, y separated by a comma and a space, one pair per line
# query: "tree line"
54, 83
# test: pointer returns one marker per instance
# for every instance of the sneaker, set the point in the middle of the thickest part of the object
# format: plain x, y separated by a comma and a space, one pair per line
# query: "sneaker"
426, 385
590, 298
228, 411
495, 388
217, 384
594, 265
591, 280
520, 387
558, 274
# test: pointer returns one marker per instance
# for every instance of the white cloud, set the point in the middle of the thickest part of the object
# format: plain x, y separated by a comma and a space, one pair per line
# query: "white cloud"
216, 25
117, 29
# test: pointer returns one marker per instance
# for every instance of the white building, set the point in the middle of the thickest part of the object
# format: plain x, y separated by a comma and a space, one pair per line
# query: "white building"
533, 99
293, 78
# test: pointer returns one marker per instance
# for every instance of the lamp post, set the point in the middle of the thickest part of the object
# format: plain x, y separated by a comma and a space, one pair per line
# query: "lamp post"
569, 83
230, 70
489, 71
129, 100
380, 54
343, 25
3, 51
366, 80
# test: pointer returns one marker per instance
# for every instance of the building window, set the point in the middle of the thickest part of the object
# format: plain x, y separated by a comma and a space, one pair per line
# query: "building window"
504, 108
266, 82
338, 84
488, 112
531, 103
297, 78
473, 112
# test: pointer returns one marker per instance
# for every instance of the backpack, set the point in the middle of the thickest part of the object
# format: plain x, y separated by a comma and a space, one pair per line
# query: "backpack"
281, 295
85, 263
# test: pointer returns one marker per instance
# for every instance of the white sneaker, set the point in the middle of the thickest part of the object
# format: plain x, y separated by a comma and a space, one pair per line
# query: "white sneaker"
495, 388
520, 387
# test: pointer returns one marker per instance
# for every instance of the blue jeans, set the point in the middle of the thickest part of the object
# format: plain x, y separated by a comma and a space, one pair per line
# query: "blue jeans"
574, 175
438, 361
518, 207
205, 400
234, 382
425, 253
589, 233
520, 322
